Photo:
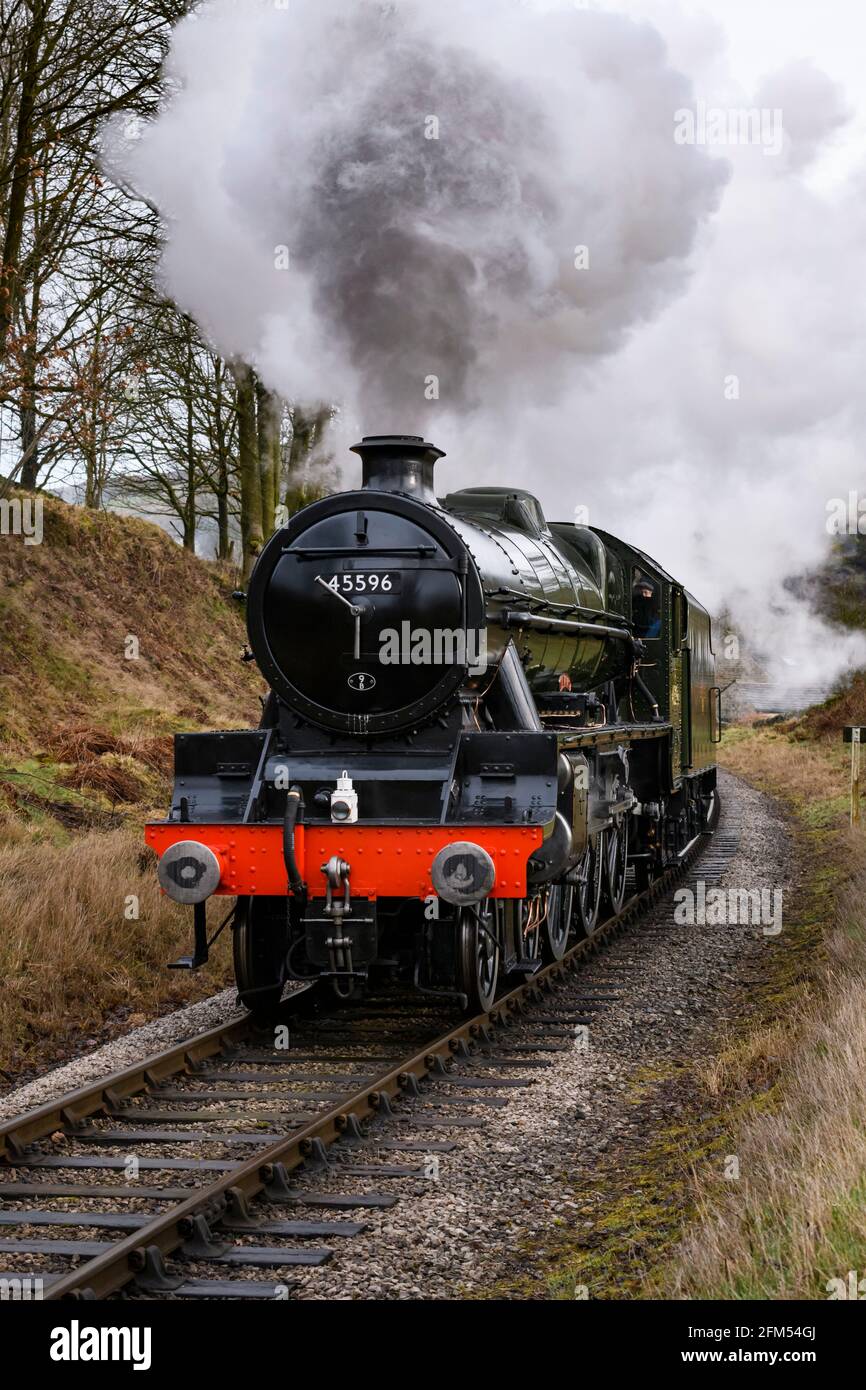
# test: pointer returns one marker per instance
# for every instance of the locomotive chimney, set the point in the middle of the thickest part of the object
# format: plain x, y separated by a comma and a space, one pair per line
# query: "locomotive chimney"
399, 463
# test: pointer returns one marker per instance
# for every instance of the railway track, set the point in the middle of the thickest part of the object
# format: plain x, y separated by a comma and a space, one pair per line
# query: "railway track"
175, 1177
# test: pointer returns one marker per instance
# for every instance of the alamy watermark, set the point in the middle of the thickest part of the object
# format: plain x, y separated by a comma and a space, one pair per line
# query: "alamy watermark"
730, 125
22, 516
21, 1288
847, 516
82, 1343
729, 907
436, 646
851, 1287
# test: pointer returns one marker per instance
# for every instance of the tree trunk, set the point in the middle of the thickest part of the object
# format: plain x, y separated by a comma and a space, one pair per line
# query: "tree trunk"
278, 461
29, 449
189, 519
90, 431
268, 407
24, 136
27, 396
248, 458
307, 431
224, 545
92, 495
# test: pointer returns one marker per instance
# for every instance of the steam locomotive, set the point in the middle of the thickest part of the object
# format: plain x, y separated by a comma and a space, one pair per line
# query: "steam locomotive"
483, 731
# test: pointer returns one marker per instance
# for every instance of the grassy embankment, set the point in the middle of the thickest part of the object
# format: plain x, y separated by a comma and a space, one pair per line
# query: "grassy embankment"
796, 1218
86, 758
784, 1091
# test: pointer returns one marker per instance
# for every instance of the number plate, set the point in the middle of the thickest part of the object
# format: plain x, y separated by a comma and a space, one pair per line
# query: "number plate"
365, 582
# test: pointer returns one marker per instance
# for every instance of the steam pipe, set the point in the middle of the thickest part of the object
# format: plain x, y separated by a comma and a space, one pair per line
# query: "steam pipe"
294, 814
536, 623
647, 694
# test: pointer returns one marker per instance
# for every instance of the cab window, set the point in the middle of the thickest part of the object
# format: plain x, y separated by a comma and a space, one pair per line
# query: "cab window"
646, 609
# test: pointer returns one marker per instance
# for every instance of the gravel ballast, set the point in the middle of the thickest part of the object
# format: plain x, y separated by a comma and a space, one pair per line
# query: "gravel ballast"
123, 1052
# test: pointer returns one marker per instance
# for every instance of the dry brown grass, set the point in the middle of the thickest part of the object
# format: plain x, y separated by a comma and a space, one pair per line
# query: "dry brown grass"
68, 953
796, 1216
775, 759
752, 1062
86, 747
80, 743
67, 610
27, 814
115, 777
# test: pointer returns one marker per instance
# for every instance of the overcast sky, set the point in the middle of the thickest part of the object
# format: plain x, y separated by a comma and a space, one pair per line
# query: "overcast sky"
760, 36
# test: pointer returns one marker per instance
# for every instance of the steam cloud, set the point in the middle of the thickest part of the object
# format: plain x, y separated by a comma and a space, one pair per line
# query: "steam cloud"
732, 494
431, 170
306, 127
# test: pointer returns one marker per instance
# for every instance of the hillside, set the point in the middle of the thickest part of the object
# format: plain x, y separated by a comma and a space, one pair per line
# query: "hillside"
837, 590
86, 718
838, 593
847, 705
68, 608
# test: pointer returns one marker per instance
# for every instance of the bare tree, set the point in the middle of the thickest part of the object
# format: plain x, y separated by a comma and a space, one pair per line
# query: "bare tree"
103, 382
248, 467
269, 410
221, 468
65, 67
179, 449
309, 469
